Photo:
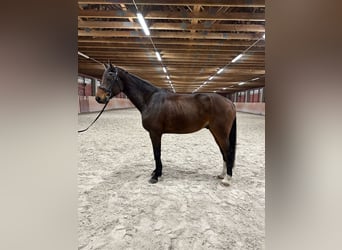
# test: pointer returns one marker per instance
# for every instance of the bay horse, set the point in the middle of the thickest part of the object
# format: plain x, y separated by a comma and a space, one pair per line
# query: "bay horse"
165, 112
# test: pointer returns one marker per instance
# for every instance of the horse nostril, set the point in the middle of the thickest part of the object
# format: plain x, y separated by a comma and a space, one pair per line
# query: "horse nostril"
97, 98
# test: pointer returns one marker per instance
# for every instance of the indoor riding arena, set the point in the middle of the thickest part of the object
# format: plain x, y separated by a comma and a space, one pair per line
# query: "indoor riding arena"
199, 49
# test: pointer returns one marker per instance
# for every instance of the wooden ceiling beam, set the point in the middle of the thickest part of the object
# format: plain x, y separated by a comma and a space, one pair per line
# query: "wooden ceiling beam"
194, 21
173, 15
194, 37
175, 61
219, 86
173, 26
167, 41
161, 34
205, 70
180, 56
179, 59
224, 56
167, 48
150, 73
174, 51
199, 81
231, 3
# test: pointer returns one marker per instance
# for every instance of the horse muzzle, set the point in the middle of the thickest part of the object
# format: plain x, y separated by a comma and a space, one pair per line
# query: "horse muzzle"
102, 100
102, 96
98, 99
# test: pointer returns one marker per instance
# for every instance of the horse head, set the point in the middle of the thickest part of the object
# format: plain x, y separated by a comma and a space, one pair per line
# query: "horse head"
111, 84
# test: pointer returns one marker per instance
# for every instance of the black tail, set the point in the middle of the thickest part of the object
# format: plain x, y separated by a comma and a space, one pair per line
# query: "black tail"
231, 149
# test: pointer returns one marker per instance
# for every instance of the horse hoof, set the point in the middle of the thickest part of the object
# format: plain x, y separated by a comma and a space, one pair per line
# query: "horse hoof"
227, 180
153, 181
220, 176
226, 184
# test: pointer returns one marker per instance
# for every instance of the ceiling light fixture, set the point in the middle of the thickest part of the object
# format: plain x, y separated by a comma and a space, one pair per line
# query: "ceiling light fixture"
143, 24
81, 54
237, 58
164, 69
158, 56
233, 61
211, 78
220, 70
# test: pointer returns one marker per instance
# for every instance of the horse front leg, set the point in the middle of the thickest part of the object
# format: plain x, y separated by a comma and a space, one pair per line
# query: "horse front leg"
156, 143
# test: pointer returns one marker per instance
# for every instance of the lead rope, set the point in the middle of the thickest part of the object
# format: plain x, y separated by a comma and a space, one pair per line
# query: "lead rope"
80, 131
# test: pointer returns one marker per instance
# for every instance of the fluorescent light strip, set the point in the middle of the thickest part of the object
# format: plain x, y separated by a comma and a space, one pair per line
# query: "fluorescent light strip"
158, 56
237, 58
81, 54
147, 33
233, 61
143, 24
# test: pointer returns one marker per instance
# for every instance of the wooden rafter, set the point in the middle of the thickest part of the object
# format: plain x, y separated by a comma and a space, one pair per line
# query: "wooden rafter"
194, 37
173, 15
231, 3
172, 26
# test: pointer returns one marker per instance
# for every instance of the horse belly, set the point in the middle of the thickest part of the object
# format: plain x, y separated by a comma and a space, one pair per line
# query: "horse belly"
182, 124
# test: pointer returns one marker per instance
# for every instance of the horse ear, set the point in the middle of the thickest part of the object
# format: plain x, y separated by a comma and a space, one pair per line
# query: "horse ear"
106, 66
110, 65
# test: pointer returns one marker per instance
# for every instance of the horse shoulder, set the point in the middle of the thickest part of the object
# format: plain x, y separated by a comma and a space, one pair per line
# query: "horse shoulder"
151, 115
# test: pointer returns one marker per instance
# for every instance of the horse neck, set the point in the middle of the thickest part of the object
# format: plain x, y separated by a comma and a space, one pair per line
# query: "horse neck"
137, 90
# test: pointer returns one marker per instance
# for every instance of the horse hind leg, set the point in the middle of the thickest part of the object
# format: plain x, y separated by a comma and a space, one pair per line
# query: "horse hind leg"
222, 142
226, 174
226, 144
226, 178
224, 165
230, 154
227, 168
224, 170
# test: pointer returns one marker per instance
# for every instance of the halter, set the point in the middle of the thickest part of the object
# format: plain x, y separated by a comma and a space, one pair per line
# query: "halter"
109, 90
